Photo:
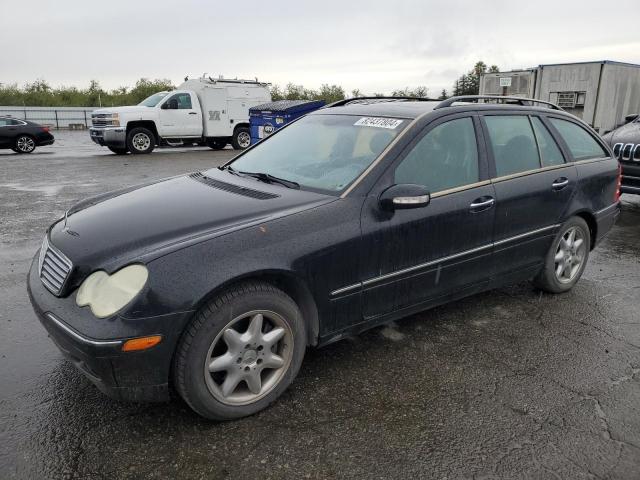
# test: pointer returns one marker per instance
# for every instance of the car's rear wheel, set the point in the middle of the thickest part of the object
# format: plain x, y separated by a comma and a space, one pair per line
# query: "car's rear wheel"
140, 140
240, 352
567, 258
24, 144
118, 151
241, 138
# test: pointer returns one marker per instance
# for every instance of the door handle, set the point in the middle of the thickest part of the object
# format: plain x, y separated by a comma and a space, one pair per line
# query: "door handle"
560, 183
192, 113
481, 204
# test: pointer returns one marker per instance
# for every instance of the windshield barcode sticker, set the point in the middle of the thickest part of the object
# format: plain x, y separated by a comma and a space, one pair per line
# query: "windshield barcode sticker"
379, 122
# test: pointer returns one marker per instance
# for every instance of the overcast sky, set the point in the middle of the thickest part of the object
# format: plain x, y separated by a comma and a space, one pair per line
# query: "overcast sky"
373, 45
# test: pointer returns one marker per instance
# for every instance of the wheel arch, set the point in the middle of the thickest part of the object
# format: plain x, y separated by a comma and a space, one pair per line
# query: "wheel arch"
241, 125
286, 281
590, 218
148, 124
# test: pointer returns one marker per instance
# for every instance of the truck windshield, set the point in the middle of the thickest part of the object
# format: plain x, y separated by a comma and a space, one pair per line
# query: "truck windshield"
324, 152
153, 100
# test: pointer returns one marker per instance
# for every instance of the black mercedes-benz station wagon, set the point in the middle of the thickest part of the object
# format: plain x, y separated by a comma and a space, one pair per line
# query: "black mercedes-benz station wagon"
214, 283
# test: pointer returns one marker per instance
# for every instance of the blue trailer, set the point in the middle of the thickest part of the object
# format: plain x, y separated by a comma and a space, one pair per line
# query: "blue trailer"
267, 118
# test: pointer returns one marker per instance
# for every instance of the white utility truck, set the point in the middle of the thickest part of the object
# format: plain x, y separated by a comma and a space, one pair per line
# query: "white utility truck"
202, 111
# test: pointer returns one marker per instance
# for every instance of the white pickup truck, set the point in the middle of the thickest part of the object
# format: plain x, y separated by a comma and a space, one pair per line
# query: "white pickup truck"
202, 111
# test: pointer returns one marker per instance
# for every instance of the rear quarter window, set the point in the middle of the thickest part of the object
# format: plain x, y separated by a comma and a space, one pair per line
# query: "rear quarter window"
580, 142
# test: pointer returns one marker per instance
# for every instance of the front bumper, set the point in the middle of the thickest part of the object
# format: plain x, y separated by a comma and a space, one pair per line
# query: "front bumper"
109, 136
630, 178
141, 376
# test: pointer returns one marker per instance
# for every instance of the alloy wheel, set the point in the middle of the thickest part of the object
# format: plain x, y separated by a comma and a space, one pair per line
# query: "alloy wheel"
570, 254
25, 144
248, 358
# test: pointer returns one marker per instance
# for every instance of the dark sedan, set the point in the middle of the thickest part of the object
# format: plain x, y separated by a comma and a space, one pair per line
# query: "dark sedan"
363, 212
23, 136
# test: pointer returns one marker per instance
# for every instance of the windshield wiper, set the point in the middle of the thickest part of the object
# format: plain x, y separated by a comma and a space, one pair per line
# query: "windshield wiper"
229, 169
268, 178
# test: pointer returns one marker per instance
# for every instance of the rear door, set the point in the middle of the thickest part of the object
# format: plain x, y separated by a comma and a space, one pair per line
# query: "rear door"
533, 186
414, 256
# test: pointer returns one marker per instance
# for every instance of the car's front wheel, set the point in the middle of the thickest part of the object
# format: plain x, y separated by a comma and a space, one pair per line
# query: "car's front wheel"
240, 352
24, 144
567, 257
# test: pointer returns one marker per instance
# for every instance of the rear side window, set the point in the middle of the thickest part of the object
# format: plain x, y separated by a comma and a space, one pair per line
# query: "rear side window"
549, 150
446, 157
581, 144
513, 143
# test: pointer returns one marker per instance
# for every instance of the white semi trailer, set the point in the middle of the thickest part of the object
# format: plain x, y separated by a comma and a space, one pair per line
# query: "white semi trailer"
202, 111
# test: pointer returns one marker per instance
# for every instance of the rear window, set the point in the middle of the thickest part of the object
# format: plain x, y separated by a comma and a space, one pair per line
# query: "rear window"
580, 142
513, 143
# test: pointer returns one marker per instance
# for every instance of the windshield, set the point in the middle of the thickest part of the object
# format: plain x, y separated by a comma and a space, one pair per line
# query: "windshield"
153, 100
324, 152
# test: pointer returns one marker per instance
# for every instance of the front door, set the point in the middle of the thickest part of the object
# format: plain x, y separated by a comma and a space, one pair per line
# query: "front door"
412, 257
533, 186
180, 116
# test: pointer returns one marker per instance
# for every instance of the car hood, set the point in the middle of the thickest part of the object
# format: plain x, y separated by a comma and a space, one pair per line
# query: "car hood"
129, 109
145, 222
629, 133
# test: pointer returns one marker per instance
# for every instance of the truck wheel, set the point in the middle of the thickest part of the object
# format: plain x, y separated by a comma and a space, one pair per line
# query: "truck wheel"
217, 144
118, 151
240, 351
140, 140
241, 138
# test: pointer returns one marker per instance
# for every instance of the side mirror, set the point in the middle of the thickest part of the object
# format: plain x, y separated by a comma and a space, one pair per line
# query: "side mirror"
404, 195
630, 118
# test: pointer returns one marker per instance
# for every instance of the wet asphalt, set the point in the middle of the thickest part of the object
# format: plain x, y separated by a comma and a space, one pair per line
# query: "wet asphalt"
507, 384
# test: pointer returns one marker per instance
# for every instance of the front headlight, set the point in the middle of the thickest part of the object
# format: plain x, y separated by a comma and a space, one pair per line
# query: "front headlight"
115, 119
107, 294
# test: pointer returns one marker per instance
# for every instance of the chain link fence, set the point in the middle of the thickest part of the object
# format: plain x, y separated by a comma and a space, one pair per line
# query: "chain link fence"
78, 118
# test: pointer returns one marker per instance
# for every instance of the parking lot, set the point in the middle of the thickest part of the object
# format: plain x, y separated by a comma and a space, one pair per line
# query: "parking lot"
507, 384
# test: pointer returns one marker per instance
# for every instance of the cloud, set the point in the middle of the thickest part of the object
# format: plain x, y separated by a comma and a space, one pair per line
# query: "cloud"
371, 45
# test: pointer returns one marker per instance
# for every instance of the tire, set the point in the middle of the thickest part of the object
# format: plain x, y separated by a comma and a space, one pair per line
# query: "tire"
241, 138
140, 140
561, 272
216, 144
223, 335
24, 144
118, 151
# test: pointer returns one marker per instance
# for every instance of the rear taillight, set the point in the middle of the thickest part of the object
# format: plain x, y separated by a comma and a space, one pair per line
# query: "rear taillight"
45, 129
616, 196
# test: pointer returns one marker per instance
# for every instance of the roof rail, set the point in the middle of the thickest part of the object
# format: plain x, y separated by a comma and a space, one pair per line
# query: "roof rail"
520, 100
346, 101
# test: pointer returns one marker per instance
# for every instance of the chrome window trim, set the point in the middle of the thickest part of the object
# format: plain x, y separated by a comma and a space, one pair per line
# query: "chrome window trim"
430, 263
81, 338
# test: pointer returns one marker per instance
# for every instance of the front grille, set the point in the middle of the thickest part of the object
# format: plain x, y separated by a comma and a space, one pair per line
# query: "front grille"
54, 268
229, 187
101, 120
